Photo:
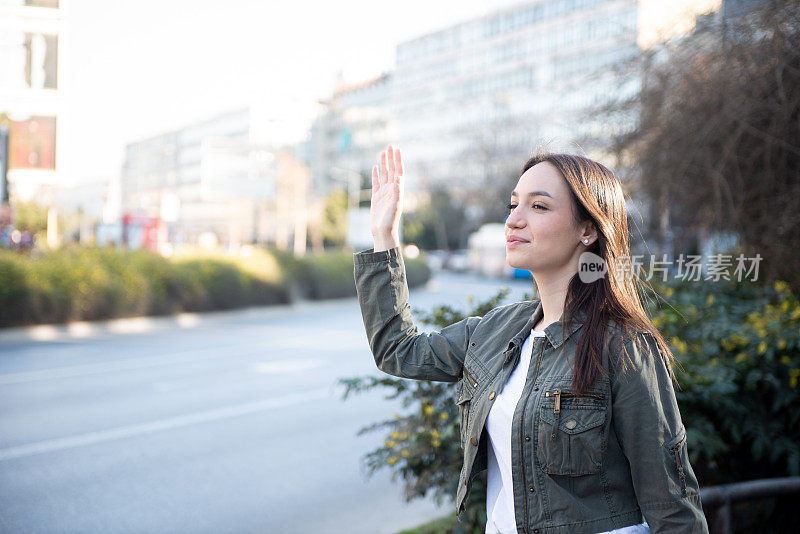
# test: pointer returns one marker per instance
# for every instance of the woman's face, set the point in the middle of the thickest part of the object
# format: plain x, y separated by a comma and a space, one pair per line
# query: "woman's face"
541, 233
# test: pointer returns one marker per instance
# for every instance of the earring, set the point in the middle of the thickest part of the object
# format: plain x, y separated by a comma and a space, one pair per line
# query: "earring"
585, 241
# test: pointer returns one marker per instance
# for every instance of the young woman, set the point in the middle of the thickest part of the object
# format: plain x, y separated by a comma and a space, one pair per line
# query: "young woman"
568, 400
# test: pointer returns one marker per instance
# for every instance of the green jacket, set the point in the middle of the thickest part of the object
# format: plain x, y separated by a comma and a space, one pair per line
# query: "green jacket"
581, 463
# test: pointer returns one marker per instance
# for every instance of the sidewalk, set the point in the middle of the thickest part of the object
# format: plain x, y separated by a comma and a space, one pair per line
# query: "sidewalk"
144, 324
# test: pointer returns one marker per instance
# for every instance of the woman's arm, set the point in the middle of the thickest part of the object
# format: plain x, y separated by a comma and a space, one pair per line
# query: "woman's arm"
380, 276
648, 425
399, 349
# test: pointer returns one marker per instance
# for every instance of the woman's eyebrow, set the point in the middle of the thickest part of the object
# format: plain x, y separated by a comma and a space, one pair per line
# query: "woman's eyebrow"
533, 194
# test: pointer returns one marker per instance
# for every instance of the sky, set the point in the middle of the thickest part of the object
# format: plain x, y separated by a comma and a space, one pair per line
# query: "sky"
137, 69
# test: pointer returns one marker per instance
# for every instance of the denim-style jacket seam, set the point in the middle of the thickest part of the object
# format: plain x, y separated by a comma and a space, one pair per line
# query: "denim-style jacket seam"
585, 521
665, 505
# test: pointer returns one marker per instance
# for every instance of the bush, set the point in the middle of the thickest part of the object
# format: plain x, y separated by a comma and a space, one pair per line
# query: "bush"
13, 286
443, 525
737, 351
417, 271
78, 283
165, 286
330, 274
325, 275
86, 283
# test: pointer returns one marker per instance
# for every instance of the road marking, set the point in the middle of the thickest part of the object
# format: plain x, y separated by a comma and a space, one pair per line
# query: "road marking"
127, 364
240, 375
128, 431
178, 357
286, 366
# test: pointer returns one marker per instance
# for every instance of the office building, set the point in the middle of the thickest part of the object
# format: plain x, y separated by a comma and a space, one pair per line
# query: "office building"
32, 39
351, 130
471, 101
493, 89
218, 181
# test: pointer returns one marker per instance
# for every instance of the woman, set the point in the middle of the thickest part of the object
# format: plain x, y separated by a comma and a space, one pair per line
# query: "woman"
568, 400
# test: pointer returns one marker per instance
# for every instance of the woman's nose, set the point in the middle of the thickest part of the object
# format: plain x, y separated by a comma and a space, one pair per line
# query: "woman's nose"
514, 220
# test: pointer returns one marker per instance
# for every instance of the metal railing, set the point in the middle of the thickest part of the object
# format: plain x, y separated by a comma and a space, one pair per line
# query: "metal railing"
721, 497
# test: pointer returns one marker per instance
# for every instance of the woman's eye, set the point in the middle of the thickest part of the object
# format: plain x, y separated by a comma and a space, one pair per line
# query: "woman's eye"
535, 206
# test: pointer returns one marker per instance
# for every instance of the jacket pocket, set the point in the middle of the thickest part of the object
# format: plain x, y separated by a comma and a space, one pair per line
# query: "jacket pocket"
465, 393
678, 459
571, 432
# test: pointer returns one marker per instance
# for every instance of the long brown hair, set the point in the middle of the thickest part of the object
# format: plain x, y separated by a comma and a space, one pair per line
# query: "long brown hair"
598, 197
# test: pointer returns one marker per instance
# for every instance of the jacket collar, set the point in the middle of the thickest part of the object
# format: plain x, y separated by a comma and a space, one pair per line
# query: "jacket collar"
555, 334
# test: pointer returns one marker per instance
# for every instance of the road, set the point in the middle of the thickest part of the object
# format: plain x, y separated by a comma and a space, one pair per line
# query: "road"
222, 422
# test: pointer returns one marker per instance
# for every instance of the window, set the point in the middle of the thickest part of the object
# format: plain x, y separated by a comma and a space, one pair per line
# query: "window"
41, 60
42, 3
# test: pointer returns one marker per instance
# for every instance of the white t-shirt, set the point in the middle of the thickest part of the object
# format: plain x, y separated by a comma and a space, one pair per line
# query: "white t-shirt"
500, 487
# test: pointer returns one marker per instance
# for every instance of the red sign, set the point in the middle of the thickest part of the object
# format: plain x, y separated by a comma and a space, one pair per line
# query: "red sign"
32, 144
142, 232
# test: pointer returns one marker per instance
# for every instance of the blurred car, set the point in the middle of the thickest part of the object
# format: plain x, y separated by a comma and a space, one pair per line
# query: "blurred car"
487, 251
457, 260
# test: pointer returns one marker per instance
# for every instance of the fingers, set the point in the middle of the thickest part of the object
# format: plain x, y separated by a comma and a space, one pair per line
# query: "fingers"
384, 170
398, 162
391, 167
375, 180
390, 157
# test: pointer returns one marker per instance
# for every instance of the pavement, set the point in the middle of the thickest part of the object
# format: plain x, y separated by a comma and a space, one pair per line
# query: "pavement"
216, 422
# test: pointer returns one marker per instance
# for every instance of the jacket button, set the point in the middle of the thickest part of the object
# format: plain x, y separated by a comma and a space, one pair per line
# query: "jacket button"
571, 424
536, 531
527, 438
532, 490
491, 395
472, 344
473, 441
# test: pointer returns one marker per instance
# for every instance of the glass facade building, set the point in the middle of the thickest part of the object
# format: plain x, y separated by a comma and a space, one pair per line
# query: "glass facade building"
475, 99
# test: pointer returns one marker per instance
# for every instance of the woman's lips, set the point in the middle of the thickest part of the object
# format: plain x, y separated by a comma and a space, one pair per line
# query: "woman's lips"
514, 242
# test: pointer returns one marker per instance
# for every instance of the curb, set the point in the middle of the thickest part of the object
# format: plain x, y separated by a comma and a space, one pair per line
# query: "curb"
144, 324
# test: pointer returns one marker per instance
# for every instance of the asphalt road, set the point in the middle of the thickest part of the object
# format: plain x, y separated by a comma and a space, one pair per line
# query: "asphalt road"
223, 422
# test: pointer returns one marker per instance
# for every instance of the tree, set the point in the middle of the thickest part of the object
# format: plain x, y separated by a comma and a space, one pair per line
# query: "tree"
494, 155
488, 166
716, 146
334, 221
442, 223
30, 217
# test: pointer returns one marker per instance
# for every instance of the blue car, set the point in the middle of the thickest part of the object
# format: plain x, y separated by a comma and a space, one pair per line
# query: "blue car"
522, 273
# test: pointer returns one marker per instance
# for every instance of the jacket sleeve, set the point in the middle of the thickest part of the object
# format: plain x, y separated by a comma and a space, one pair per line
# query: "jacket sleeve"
399, 349
648, 424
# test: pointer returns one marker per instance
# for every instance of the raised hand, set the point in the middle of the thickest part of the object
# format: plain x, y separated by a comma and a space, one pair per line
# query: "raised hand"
387, 200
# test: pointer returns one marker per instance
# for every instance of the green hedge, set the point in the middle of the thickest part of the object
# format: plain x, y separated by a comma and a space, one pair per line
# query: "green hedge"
330, 274
95, 283
737, 347
80, 283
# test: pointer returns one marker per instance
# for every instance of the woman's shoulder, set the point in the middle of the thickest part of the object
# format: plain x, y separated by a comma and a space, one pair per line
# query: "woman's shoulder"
508, 318
629, 347
619, 333
512, 310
